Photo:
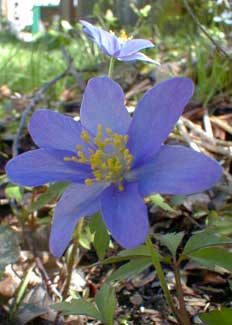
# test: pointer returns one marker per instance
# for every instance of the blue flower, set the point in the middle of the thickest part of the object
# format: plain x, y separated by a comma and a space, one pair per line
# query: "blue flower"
112, 160
121, 48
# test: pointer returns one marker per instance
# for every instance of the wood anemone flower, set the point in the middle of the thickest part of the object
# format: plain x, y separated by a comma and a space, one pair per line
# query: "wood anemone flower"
121, 48
112, 160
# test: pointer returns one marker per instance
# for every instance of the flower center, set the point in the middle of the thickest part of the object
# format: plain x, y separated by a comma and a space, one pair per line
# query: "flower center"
107, 155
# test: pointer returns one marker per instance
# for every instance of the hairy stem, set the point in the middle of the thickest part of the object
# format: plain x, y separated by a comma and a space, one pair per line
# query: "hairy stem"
159, 270
183, 312
72, 257
111, 67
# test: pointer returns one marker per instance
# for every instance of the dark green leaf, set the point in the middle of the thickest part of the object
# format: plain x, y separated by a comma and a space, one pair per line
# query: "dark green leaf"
78, 307
130, 268
172, 241
211, 256
205, 239
218, 317
101, 236
53, 191
141, 250
106, 303
9, 246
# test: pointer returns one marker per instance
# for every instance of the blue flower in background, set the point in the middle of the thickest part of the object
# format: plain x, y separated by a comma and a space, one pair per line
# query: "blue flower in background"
112, 160
121, 48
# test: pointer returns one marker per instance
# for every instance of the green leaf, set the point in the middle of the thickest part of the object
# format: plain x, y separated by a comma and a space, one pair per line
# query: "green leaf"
216, 317
211, 256
78, 307
14, 192
137, 253
101, 237
130, 268
172, 241
52, 192
140, 250
106, 303
9, 246
205, 239
158, 200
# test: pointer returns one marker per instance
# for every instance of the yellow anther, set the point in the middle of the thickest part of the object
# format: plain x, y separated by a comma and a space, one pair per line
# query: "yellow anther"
126, 138
123, 34
107, 140
88, 181
99, 128
99, 142
79, 147
109, 131
85, 136
81, 156
121, 187
67, 158
107, 156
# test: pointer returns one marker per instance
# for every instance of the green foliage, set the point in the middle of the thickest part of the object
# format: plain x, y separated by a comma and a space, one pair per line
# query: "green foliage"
212, 73
172, 241
9, 246
103, 311
204, 239
78, 307
14, 191
101, 237
211, 256
26, 66
130, 268
159, 201
216, 317
53, 191
106, 303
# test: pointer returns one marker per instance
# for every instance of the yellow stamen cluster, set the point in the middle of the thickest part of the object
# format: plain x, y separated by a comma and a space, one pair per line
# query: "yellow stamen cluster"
107, 155
124, 36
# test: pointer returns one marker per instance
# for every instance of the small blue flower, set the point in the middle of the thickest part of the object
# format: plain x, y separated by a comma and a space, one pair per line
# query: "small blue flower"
121, 48
112, 160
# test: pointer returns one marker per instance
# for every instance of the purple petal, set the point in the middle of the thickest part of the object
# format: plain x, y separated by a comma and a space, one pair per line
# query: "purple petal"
137, 56
125, 215
105, 40
78, 200
156, 115
50, 129
177, 170
103, 102
133, 46
38, 167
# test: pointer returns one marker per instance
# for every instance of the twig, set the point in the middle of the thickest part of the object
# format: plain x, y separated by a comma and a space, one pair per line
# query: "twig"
35, 99
72, 68
40, 92
183, 131
207, 123
227, 152
72, 258
51, 287
202, 134
222, 124
196, 20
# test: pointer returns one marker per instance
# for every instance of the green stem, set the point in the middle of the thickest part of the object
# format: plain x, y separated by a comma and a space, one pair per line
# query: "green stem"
183, 312
159, 270
71, 259
21, 291
111, 67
